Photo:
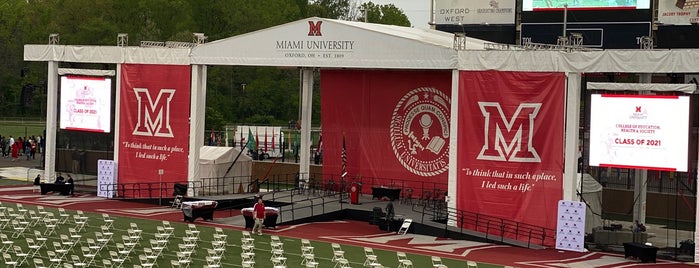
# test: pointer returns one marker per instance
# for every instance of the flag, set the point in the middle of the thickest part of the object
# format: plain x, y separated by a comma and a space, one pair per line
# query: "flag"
257, 139
265, 139
273, 147
344, 158
320, 143
251, 140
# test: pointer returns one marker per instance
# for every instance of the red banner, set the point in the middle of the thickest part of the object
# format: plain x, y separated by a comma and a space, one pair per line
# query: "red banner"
510, 152
154, 128
395, 126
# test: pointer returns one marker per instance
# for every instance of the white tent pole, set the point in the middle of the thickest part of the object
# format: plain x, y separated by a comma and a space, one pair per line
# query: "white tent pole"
306, 112
640, 190
572, 126
453, 143
117, 125
196, 123
51, 112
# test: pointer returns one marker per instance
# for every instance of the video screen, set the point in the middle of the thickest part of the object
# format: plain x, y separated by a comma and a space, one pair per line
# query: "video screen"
86, 103
639, 131
549, 5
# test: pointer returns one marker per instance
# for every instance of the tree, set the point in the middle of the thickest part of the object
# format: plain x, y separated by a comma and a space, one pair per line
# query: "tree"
382, 14
331, 9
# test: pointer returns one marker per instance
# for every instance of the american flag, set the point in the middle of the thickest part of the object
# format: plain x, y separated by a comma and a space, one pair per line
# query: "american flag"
344, 157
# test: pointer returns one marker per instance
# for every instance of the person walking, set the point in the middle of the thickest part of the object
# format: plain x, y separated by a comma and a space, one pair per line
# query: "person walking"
258, 212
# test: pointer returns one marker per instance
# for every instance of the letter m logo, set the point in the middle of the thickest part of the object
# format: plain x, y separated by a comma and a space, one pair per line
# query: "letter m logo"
509, 139
314, 28
153, 116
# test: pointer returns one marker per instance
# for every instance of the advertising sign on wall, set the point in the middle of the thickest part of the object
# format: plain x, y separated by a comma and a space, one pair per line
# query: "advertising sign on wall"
639, 131
474, 12
154, 126
510, 150
678, 12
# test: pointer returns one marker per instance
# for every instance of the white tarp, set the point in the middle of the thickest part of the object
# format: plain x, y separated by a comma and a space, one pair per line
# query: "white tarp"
686, 88
214, 164
613, 60
107, 54
318, 42
592, 196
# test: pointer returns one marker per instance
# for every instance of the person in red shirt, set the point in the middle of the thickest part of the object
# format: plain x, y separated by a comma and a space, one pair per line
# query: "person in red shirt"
258, 212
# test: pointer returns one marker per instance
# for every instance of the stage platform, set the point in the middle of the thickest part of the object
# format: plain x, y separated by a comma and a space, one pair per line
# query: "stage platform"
298, 208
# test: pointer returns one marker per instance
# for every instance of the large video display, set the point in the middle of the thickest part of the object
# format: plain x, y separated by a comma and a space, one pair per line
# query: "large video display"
543, 5
86, 103
639, 131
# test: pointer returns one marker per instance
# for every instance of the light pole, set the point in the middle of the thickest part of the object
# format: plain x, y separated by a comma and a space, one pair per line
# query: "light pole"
160, 187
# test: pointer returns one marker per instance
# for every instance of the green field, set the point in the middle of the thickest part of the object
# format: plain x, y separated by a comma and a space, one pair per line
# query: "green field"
80, 244
22, 128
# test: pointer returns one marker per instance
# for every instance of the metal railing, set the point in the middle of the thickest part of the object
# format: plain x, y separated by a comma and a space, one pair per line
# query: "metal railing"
494, 229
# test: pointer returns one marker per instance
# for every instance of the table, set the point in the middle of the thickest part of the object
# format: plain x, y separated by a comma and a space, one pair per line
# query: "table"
640, 251
199, 209
380, 192
271, 215
64, 188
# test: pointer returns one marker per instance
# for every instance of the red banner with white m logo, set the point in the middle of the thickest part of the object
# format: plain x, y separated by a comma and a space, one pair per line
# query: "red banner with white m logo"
510, 151
153, 128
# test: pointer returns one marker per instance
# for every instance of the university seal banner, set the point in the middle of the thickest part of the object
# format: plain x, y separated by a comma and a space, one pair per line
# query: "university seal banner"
510, 151
154, 127
395, 125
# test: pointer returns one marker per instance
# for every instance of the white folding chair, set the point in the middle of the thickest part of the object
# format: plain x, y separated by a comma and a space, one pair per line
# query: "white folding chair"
33, 247
39, 263
77, 262
403, 261
6, 243
437, 262
54, 259
9, 261
63, 215
371, 259
116, 259
471, 264
168, 228
108, 221
405, 226
20, 255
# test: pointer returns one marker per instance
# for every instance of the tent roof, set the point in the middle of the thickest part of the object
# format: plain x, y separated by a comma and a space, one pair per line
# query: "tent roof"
319, 42
610, 60
217, 155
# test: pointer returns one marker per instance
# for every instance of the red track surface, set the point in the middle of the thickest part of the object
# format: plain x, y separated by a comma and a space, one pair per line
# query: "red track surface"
348, 232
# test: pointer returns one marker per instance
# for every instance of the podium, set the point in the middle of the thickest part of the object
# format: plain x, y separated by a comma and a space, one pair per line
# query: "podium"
199, 209
640, 251
271, 215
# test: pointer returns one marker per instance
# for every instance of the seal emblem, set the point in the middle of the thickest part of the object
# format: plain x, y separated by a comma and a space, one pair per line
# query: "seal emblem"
420, 131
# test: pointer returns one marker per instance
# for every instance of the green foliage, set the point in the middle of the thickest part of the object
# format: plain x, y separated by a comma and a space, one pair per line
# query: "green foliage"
260, 95
383, 14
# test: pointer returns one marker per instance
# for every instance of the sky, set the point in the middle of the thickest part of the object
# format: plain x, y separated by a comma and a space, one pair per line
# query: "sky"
418, 11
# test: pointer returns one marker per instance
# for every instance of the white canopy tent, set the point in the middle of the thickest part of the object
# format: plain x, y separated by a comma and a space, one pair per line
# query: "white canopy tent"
218, 167
591, 192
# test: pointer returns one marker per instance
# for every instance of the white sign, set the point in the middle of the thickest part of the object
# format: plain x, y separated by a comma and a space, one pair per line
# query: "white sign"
106, 178
678, 12
86, 103
474, 12
639, 131
570, 228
